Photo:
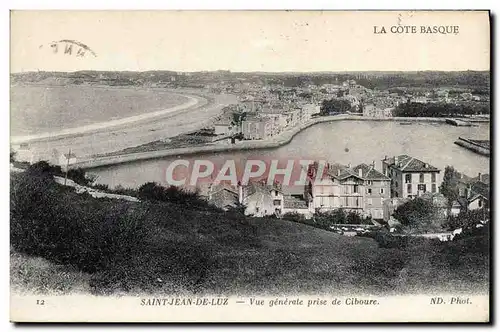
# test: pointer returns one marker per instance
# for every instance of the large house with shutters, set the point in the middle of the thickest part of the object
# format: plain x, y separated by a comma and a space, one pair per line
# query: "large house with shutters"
360, 189
410, 177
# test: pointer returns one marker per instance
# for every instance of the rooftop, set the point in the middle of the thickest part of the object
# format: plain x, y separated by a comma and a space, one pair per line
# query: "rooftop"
406, 163
369, 172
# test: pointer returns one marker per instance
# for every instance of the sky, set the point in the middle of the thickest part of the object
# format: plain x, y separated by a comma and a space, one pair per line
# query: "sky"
274, 41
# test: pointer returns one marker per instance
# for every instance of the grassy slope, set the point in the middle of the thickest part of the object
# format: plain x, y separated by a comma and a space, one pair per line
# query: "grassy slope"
189, 249
35, 275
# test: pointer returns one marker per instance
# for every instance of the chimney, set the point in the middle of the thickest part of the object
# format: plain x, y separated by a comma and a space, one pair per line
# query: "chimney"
373, 163
240, 193
338, 171
396, 160
360, 172
349, 165
479, 176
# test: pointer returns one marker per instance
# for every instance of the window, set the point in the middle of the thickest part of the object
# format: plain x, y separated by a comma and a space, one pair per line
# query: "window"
433, 176
480, 203
369, 190
369, 182
396, 183
407, 178
257, 209
276, 202
408, 188
422, 187
422, 178
356, 189
369, 200
433, 187
382, 190
357, 201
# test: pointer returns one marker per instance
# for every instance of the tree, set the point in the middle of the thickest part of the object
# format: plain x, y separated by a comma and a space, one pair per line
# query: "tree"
13, 156
152, 191
449, 186
334, 106
417, 215
467, 219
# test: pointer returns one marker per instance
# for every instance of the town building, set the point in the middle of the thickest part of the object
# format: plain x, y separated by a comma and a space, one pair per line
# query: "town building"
256, 128
297, 204
223, 195
262, 200
410, 177
474, 192
361, 189
67, 159
373, 111
222, 128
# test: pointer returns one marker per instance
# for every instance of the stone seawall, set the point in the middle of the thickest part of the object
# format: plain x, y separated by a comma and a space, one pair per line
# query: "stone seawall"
282, 139
475, 147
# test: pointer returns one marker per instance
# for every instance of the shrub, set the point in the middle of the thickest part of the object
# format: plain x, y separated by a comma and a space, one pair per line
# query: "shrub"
45, 168
152, 191
53, 222
294, 216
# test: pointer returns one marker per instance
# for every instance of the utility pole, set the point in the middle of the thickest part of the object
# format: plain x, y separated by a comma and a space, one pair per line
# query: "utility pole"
67, 166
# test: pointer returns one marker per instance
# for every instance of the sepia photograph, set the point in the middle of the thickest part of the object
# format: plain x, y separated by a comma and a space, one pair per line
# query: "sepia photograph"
250, 166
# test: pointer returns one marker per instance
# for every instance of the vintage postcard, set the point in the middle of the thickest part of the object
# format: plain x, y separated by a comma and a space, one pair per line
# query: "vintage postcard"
250, 166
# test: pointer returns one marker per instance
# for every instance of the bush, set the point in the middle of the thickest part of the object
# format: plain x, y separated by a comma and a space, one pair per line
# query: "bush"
53, 222
294, 216
152, 191
467, 219
45, 168
417, 215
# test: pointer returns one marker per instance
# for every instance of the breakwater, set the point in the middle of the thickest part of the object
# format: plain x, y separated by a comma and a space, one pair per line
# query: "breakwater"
480, 147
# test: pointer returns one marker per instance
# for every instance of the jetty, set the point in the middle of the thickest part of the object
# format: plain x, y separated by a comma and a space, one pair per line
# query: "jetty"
481, 147
458, 123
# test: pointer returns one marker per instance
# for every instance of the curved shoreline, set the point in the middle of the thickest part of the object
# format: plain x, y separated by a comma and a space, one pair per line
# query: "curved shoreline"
193, 101
278, 141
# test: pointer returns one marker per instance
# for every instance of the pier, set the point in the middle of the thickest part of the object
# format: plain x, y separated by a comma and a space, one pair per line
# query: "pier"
479, 146
458, 123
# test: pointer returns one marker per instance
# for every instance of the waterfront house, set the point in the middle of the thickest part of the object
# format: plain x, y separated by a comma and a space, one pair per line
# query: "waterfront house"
262, 200
24, 152
474, 192
256, 128
222, 128
361, 189
67, 159
309, 110
377, 188
410, 177
479, 194
297, 204
224, 196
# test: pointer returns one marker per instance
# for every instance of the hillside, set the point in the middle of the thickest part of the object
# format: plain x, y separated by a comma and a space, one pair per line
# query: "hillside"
153, 247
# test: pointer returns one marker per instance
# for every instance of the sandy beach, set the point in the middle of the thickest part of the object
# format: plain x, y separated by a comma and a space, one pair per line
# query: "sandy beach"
192, 102
118, 134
